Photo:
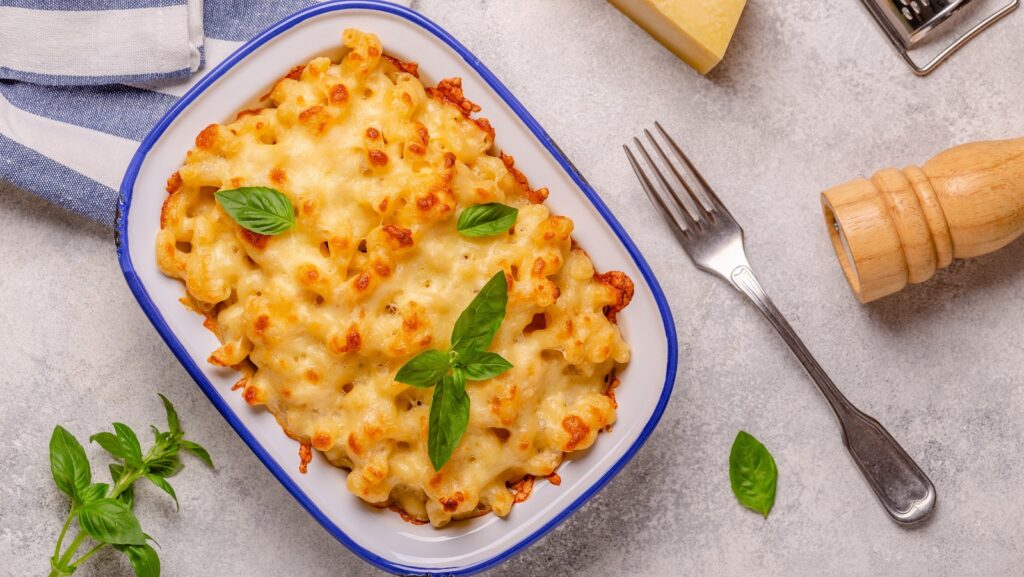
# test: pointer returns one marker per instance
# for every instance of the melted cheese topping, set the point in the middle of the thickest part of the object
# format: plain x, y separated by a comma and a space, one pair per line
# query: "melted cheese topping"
320, 318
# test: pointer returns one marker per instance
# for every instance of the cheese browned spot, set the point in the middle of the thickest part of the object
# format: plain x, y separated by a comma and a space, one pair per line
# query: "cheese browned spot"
305, 456
578, 431
321, 316
339, 94
173, 183
207, 137
254, 239
623, 287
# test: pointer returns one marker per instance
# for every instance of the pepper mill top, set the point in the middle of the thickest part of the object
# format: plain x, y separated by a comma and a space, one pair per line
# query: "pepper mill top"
900, 226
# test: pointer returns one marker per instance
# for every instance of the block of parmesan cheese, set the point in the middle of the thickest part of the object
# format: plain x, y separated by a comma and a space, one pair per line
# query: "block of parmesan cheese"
698, 31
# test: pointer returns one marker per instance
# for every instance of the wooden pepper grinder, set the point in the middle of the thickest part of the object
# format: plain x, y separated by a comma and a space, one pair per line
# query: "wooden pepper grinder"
900, 227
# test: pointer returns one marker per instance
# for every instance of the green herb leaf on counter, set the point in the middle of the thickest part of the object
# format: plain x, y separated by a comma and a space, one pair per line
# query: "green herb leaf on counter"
467, 359
258, 208
68, 463
143, 558
131, 450
197, 451
164, 486
109, 442
172, 415
128, 495
752, 473
489, 219
165, 466
104, 511
110, 521
93, 492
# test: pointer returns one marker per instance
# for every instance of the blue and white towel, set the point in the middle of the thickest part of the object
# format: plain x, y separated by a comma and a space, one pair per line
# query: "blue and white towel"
83, 81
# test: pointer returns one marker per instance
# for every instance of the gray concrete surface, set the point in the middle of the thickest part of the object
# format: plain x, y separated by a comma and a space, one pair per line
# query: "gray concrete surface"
809, 95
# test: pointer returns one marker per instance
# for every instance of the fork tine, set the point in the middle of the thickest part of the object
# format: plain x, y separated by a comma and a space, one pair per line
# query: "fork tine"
705, 188
655, 198
691, 223
701, 211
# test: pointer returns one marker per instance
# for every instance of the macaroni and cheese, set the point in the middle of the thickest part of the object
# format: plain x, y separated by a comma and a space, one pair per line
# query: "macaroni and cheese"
319, 318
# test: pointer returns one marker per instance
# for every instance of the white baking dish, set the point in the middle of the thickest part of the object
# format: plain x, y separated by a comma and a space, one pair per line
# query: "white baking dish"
380, 536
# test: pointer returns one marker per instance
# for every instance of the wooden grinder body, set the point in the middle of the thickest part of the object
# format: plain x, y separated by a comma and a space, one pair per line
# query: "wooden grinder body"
900, 226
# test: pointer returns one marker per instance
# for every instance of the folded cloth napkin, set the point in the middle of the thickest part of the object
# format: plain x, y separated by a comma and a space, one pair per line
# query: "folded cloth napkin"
83, 81
78, 42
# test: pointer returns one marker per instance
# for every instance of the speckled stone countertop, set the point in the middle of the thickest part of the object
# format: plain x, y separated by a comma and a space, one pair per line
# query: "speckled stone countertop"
809, 95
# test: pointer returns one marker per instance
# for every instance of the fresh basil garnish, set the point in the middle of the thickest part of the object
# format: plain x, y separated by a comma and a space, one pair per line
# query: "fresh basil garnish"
477, 325
467, 359
449, 417
481, 365
424, 370
258, 208
488, 219
752, 473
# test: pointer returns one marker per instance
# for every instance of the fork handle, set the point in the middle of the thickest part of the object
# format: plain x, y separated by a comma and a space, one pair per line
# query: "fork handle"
905, 491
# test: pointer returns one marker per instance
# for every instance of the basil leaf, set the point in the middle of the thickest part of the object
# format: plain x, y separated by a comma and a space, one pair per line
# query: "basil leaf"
480, 365
477, 325
143, 558
130, 448
165, 465
127, 496
93, 492
198, 451
158, 435
68, 463
259, 209
752, 473
116, 471
449, 417
172, 416
488, 219
165, 486
424, 370
110, 521
109, 442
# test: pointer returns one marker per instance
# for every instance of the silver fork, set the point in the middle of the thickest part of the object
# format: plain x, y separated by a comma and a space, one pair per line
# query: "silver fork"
714, 241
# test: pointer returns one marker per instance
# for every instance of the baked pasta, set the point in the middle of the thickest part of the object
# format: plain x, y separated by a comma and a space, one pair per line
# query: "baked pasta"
318, 319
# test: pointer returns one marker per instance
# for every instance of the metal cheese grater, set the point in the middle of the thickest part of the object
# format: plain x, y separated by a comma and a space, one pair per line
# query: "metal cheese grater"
908, 22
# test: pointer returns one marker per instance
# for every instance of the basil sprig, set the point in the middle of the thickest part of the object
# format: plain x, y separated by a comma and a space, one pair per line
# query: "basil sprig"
258, 208
466, 359
752, 473
488, 219
104, 511
449, 417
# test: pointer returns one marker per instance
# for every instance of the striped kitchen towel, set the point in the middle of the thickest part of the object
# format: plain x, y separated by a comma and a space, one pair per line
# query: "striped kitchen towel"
83, 81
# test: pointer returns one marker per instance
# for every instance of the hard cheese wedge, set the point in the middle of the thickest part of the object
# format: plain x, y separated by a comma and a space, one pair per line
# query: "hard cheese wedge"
698, 31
